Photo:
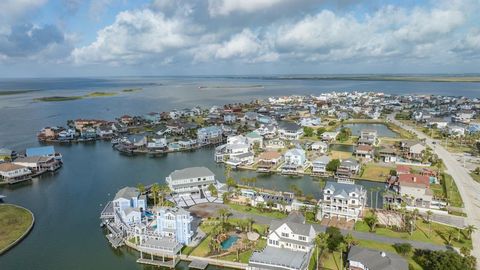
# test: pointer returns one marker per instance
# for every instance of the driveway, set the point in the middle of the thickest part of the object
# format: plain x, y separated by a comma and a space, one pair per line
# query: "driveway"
468, 188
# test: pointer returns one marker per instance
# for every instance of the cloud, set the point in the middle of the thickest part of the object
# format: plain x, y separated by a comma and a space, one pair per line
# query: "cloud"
11, 10
136, 35
27, 39
226, 7
244, 46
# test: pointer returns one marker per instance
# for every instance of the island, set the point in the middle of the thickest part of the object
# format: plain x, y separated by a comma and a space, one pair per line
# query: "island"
15, 224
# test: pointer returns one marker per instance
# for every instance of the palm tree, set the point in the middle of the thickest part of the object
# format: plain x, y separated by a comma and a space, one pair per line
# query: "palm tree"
470, 229
228, 171
429, 216
342, 247
141, 188
250, 224
155, 190
371, 221
449, 236
321, 243
349, 240
223, 213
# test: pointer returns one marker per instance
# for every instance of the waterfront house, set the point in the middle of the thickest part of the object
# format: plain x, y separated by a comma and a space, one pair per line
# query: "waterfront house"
413, 189
38, 164
347, 169
14, 173
241, 159
268, 160
388, 154
290, 244
42, 151
360, 258
364, 151
290, 131
7, 155
319, 147
280, 202
174, 222
104, 131
236, 145
368, 137
267, 131
319, 166
187, 144
456, 131
79, 124
66, 135
126, 120
128, 205
412, 149
157, 143
342, 200
190, 180
153, 117
88, 133
209, 135
294, 159
330, 135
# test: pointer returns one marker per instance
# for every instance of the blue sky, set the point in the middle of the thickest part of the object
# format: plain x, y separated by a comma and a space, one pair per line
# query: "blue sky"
40, 38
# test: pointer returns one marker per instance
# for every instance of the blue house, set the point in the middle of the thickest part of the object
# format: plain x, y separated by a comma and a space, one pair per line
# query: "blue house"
44, 151
174, 222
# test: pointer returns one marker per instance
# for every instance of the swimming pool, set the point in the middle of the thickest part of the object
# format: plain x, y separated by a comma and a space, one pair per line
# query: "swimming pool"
229, 242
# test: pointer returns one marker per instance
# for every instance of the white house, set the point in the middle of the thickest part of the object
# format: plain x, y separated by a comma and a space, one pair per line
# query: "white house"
190, 180
456, 131
290, 131
208, 135
342, 200
296, 157
157, 143
360, 258
236, 145
290, 244
254, 138
330, 135
319, 166
13, 173
320, 147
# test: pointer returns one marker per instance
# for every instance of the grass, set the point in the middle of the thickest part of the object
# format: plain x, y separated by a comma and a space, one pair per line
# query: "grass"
101, 94
451, 191
340, 155
387, 248
14, 222
57, 98
374, 172
437, 235
13, 92
255, 211
400, 131
331, 260
245, 255
128, 90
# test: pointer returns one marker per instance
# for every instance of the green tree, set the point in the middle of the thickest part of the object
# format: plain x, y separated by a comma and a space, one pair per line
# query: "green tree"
213, 190
155, 189
321, 244
335, 237
403, 248
231, 182
308, 131
320, 131
333, 165
470, 229
371, 221
443, 260
141, 188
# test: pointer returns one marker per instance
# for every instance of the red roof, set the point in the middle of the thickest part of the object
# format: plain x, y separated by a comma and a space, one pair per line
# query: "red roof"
411, 179
403, 169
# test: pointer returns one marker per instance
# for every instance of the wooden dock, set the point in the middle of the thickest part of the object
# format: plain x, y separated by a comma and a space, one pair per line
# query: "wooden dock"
198, 264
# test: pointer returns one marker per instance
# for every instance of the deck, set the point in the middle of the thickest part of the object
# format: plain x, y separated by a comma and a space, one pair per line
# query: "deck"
197, 264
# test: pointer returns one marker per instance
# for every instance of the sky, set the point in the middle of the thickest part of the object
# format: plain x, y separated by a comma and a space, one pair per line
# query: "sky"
74, 38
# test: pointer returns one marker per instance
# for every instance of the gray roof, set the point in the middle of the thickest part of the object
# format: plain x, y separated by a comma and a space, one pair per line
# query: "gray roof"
127, 193
322, 159
192, 172
279, 258
295, 221
343, 188
289, 126
33, 159
349, 162
374, 260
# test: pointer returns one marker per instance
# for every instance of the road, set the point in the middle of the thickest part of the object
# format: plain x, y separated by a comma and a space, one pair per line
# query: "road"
468, 188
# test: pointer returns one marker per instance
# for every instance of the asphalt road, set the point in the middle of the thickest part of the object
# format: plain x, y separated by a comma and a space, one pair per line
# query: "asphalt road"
468, 188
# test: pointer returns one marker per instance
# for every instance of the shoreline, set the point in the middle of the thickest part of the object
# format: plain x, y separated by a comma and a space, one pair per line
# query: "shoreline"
25, 234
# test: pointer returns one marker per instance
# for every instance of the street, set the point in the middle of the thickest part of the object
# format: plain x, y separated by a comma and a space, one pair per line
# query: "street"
468, 188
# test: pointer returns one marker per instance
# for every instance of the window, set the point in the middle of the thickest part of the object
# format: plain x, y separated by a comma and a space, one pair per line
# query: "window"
285, 235
302, 238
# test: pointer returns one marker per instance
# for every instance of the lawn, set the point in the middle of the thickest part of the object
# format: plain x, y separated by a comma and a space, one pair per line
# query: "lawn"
435, 235
255, 211
451, 191
387, 248
14, 222
245, 255
331, 260
374, 172
340, 155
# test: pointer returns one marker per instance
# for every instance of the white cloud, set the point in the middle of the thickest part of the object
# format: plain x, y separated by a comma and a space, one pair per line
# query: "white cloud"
136, 35
244, 46
225, 7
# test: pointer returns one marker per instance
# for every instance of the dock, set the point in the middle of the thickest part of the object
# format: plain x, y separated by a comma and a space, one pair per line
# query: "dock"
197, 264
